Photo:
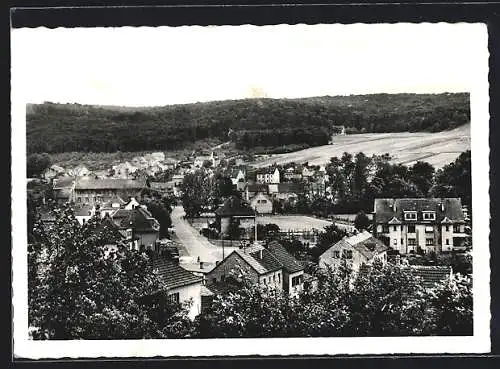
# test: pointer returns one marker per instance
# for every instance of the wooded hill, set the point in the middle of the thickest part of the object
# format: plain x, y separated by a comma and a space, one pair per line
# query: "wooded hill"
254, 123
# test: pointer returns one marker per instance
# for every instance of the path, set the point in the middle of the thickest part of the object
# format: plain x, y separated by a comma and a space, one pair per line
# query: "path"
195, 244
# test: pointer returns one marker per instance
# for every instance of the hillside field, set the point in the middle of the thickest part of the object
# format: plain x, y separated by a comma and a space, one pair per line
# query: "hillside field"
406, 148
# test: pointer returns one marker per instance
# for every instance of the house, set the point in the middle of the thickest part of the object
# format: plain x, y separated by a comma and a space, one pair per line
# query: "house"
237, 174
265, 265
180, 285
267, 175
293, 270
79, 171
94, 191
286, 191
360, 249
413, 225
142, 229
262, 203
176, 183
62, 189
234, 208
163, 188
53, 172
210, 157
307, 172
110, 207
255, 264
251, 190
432, 275
124, 170
292, 174
84, 212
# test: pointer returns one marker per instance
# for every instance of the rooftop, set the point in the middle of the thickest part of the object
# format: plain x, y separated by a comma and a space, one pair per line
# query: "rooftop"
431, 275
85, 183
173, 275
235, 206
386, 209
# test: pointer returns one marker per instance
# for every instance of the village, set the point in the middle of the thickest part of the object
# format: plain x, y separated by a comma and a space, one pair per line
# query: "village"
256, 230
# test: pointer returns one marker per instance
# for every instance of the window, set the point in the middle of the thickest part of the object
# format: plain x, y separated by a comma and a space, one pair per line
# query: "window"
456, 228
395, 242
429, 241
174, 297
336, 254
274, 279
411, 228
429, 229
279, 278
385, 228
410, 215
395, 228
296, 280
402, 242
412, 241
265, 281
347, 254
447, 228
447, 241
429, 215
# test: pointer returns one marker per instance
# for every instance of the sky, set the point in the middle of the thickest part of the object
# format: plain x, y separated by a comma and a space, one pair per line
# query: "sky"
151, 66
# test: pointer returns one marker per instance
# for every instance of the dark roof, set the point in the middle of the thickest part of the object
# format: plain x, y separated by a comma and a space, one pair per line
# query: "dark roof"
431, 275
139, 220
235, 206
173, 275
270, 170
268, 260
384, 212
288, 261
258, 187
114, 200
85, 183
290, 188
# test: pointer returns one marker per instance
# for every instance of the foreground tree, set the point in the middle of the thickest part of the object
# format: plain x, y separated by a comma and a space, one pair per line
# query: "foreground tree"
80, 289
196, 192
361, 221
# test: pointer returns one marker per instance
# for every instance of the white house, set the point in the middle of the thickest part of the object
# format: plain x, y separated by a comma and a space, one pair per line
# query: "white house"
262, 203
268, 175
356, 250
180, 285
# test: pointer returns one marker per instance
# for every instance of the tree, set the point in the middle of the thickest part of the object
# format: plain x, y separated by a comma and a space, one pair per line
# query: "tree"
161, 213
79, 289
361, 221
267, 231
422, 175
36, 164
234, 231
451, 308
454, 179
331, 235
196, 192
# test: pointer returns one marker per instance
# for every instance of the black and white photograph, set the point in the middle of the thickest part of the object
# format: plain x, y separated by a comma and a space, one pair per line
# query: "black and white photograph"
308, 187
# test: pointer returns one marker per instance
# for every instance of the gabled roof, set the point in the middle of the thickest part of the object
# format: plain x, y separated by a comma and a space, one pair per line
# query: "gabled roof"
452, 208
288, 261
270, 170
85, 183
394, 220
113, 200
234, 206
363, 242
431, 275
250, 260
139, 220
173, 275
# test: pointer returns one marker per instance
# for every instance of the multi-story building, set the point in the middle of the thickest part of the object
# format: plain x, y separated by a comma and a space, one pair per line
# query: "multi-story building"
413, 225
268, 175
97, 191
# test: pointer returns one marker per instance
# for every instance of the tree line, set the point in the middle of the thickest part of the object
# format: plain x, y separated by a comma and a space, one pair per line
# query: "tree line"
55, 128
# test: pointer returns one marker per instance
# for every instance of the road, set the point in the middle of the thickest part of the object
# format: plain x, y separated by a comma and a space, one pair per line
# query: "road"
195, 244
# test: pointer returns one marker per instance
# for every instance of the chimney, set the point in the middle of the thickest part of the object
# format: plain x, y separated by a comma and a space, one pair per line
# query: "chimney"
393, 205
260, 254
442, 206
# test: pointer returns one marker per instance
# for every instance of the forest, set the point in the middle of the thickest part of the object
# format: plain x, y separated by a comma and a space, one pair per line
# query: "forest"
249, 123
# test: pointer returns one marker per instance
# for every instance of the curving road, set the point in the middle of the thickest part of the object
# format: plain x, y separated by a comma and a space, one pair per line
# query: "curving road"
195, 244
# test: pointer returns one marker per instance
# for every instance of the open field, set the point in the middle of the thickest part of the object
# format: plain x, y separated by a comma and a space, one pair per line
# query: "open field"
294, 222
438, 149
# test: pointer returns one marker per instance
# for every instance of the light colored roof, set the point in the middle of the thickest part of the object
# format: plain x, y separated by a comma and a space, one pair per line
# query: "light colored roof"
109, 183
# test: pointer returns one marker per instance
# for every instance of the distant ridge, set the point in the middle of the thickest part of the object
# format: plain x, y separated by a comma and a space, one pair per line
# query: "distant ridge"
256, 122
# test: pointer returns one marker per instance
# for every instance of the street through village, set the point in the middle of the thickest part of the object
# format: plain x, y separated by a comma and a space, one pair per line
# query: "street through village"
195, 245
